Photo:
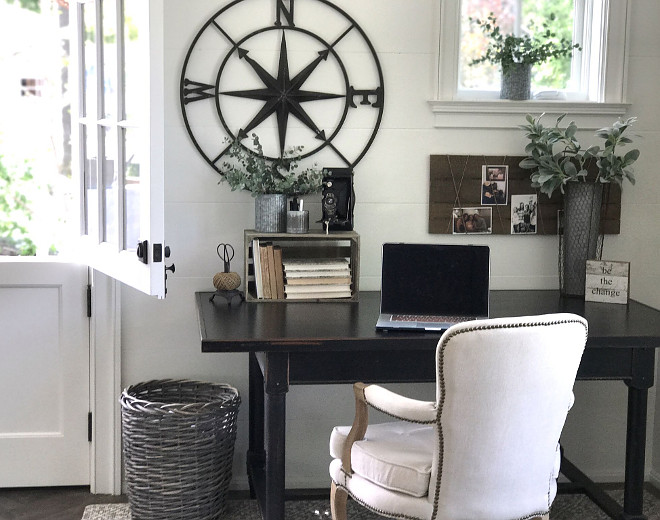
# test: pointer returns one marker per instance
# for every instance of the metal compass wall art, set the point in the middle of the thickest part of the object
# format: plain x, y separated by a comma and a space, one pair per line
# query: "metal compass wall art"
295, 72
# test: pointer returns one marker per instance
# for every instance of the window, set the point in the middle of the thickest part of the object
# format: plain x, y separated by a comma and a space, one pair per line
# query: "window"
596, 87
518, 17
118, 138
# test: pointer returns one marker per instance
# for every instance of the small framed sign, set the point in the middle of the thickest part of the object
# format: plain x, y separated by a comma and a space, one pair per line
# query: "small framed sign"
607, 281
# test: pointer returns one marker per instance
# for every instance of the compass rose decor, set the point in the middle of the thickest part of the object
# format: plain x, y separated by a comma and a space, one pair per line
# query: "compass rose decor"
294, 72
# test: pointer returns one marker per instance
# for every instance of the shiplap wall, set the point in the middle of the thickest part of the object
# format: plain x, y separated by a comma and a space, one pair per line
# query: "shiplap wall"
160, 339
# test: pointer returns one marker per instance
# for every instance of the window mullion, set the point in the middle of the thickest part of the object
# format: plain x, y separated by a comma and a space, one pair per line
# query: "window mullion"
98, 122
580, 61
119, 112
598, 43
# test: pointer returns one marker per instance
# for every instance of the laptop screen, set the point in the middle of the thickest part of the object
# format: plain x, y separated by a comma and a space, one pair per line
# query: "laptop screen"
435, 279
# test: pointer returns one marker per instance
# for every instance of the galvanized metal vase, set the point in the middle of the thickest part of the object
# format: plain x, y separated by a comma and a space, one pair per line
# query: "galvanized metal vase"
581, 239
270, 213
517, 82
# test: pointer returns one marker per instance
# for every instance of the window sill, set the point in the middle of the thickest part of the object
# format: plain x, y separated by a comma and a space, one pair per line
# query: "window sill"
510, 114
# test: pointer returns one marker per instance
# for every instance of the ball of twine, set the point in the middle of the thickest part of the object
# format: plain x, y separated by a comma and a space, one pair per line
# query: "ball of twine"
226, 281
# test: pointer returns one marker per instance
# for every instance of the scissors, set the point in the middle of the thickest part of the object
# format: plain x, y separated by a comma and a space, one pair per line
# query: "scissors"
226, 255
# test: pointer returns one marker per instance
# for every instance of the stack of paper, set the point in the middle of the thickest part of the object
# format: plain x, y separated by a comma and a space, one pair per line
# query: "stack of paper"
317, 278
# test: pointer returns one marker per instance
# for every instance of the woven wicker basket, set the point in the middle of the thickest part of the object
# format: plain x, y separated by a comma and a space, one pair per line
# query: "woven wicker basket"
178, 442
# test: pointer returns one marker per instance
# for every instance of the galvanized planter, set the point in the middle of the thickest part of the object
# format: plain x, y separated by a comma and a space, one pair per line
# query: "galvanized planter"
270, 213
581, 239
517, 82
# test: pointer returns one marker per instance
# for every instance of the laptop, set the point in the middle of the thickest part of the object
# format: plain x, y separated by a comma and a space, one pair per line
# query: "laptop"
433, 286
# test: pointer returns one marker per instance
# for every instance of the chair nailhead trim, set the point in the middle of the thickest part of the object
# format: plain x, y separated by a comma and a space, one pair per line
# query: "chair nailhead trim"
430, 421
440, 377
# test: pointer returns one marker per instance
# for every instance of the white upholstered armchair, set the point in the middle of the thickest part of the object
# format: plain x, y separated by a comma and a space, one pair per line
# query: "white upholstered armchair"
488, 447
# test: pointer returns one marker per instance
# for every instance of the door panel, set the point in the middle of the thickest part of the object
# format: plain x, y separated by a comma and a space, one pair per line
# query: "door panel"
118, 138
44, 374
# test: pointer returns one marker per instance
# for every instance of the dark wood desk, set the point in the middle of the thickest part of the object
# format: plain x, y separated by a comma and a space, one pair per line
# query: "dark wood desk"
312, 343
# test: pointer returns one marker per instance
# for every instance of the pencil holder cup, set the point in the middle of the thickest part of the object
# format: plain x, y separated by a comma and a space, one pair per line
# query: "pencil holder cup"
297, 221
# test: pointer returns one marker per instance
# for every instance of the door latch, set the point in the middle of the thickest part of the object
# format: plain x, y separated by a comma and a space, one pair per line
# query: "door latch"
143, 251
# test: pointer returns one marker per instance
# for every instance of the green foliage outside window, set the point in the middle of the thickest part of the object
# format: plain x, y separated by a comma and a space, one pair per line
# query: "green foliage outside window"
32, 5
15, 212
552, 74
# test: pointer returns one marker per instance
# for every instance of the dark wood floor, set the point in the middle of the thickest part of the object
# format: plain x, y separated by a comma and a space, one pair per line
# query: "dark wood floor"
62, 503
68, 503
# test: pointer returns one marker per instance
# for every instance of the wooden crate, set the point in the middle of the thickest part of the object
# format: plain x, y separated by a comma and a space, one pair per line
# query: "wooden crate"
336, 244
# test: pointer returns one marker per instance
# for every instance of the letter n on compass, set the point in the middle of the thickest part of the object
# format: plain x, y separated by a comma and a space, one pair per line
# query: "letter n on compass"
284, 9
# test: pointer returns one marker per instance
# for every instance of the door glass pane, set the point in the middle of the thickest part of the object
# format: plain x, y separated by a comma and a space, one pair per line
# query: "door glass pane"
90, 176
133, 140
136, 59
110, 188
109, 58
89, 57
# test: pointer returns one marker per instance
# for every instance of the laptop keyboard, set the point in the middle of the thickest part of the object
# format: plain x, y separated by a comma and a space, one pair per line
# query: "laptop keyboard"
431, 319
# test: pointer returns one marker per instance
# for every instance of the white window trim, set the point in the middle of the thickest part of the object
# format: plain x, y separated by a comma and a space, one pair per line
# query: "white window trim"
451, 112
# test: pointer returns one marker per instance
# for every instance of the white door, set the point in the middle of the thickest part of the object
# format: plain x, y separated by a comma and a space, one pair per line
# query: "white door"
117, 136
116, 80
44, 373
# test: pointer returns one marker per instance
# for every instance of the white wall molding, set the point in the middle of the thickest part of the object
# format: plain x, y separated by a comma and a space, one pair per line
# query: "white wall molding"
105, 385
504, 114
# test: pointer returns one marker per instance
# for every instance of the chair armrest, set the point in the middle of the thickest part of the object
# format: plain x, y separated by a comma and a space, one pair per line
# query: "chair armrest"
398, 406
385, 401
359, 427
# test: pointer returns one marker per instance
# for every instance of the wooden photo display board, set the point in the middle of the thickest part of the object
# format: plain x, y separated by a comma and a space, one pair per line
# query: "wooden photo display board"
456, 182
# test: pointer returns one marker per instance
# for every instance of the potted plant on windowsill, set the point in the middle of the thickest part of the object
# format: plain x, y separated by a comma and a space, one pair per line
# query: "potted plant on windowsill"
559, 161
516, 55
270, 181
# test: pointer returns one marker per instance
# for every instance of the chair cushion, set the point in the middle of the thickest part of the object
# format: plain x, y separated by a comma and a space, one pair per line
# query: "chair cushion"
395, 455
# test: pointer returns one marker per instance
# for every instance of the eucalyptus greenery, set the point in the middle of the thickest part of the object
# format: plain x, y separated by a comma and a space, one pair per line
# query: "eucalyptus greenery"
558, 157
507, 50
251, 171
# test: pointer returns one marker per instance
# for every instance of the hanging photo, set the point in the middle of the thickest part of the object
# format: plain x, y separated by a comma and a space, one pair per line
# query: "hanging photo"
494, 184
523, 214
472, 220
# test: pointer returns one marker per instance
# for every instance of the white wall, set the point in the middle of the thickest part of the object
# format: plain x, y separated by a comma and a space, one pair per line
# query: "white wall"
160, 339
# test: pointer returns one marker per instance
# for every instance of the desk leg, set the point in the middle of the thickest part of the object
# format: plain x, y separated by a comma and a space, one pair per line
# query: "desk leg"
269, 384
256, 455
635, 454
277, 386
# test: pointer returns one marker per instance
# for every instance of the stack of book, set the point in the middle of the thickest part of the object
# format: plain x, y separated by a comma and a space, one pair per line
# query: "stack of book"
317, 278
268, 270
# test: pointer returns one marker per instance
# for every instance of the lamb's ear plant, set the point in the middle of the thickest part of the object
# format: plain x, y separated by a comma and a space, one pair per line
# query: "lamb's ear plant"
613, 166
557, 157
251, 171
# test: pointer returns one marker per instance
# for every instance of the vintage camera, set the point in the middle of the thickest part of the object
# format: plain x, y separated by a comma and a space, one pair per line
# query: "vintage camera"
338, 199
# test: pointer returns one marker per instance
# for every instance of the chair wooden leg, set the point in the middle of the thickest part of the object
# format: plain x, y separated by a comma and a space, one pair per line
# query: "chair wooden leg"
338, 499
